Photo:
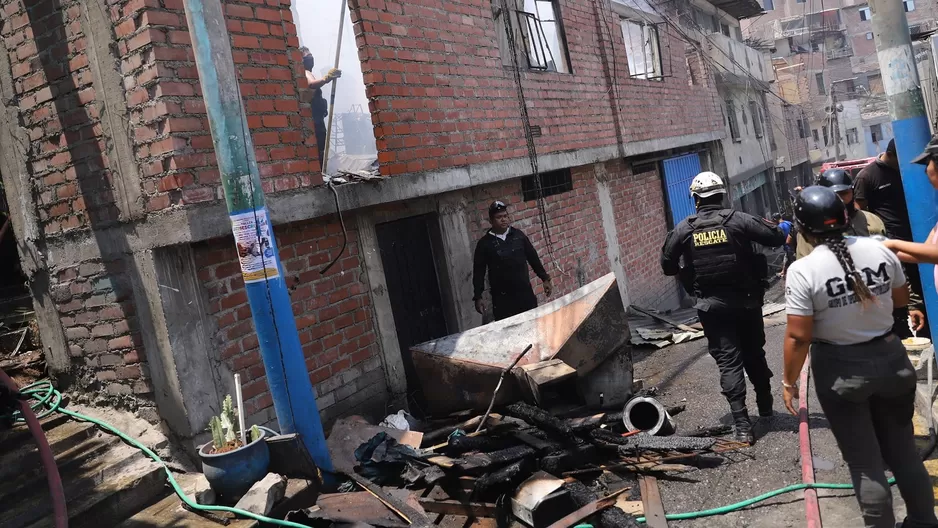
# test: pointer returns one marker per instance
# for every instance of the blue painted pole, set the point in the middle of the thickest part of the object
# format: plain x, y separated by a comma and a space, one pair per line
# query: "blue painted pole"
910, 125
261, 268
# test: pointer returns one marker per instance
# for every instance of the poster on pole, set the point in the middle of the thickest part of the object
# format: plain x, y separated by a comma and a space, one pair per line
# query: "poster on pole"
255, 246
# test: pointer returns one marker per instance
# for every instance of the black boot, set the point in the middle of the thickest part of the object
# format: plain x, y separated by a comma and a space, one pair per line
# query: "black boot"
743, 427
764, 401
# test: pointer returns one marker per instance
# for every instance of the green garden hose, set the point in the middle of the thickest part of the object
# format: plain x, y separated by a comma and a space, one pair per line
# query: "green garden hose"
47, 400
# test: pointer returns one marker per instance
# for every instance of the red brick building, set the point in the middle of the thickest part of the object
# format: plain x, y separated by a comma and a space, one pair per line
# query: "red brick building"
110, 176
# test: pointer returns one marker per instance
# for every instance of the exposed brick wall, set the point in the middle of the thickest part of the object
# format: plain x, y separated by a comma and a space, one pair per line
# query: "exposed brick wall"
440, 96
333, 314
575, 222
576, 226
641, 228
172, 136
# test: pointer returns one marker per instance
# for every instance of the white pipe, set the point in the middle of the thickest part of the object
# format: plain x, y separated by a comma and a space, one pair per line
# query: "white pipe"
240, 400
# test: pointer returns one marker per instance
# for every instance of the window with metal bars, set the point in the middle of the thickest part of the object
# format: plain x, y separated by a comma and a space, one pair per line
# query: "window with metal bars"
642, 48
553, 182
733, 120
537, 31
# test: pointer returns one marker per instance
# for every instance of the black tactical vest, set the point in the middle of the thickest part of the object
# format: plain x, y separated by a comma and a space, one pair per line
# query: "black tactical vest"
721, 264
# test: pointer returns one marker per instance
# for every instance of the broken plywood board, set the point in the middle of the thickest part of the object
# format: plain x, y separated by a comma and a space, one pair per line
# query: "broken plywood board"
582, 328
350, 433
532, 378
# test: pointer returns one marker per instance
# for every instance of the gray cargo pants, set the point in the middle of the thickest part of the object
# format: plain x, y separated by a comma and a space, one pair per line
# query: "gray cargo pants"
867, 392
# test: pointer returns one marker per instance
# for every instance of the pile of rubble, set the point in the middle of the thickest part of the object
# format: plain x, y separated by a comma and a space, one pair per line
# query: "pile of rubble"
523, 463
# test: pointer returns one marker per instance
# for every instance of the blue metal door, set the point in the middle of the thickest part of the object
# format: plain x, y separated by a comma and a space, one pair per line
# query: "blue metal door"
678, 173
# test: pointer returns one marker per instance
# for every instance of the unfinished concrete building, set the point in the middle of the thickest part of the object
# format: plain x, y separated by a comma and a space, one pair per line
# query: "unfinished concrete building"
124, 239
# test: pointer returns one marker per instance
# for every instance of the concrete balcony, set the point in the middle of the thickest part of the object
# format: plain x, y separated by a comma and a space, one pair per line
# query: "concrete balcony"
839, 53
738, 61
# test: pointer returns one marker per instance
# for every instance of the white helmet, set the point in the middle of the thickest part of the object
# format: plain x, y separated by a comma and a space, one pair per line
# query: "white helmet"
707, 184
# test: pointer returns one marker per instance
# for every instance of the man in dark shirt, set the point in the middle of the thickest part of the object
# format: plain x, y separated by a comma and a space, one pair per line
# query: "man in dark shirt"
878, 189
506, 253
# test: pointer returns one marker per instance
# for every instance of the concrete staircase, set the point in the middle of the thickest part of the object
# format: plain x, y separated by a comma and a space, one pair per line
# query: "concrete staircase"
105, 480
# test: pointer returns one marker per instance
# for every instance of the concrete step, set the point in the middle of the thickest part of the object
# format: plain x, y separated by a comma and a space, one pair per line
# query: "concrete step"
103, 490
12, 438
32, 479
24, 457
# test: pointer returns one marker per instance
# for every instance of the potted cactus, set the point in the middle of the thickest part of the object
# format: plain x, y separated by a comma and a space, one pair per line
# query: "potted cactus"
231, 465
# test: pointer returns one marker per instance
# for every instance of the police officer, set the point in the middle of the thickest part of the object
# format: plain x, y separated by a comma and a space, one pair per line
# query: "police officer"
727, 276
862, 223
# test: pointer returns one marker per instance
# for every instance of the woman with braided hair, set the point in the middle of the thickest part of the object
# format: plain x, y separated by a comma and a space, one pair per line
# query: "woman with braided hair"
840, 300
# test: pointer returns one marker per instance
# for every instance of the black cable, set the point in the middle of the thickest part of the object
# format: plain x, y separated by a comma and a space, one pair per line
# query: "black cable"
338, 211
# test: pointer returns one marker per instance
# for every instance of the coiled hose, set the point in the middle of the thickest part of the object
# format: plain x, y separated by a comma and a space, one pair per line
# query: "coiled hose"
47, 400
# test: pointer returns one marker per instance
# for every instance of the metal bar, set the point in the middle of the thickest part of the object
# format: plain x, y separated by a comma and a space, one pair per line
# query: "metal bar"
263, 273
335, 82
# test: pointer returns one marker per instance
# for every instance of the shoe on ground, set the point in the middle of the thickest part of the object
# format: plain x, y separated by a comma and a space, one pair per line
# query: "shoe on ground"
743, 428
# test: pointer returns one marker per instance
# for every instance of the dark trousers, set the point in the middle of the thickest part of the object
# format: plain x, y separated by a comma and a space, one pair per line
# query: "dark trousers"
736, 337
320, 128
508, 304
867, 392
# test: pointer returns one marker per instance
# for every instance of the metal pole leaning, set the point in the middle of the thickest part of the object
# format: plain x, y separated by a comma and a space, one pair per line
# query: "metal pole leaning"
910, 126
338, 55
261, 268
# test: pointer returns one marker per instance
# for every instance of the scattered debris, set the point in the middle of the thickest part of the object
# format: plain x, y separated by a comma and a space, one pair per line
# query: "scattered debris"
200, 491
262, 496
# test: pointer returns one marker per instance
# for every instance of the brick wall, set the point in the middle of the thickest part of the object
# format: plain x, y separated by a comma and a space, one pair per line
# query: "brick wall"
333, 314
575, 222
172, 137
641, 227
440, 96
576, 227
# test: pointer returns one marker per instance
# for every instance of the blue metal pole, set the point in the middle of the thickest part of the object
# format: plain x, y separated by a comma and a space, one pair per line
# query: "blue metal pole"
910, 125
261, 268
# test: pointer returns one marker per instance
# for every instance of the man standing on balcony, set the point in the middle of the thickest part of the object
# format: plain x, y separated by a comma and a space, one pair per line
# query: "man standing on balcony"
506, 253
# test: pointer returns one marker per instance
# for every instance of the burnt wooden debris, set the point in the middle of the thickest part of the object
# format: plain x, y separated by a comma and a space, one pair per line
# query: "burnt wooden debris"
475, 478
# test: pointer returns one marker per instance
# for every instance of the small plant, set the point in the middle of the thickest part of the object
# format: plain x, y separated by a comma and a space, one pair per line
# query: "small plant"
224, 429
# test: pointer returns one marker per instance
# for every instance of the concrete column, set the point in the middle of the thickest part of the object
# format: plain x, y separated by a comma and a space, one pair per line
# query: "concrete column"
613, 251
188, 377
384, 317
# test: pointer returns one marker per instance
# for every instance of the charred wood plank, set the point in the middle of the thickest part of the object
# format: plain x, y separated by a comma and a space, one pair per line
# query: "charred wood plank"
577, 457
540, 418
484, 461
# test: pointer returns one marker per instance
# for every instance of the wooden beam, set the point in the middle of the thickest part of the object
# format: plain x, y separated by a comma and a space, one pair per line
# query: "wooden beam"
651, 502
454, 507
590, 509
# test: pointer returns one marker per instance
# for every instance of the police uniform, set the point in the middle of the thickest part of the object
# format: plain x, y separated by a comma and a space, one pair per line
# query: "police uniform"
727, 276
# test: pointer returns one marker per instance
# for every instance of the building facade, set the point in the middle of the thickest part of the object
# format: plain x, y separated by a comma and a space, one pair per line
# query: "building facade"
123, 234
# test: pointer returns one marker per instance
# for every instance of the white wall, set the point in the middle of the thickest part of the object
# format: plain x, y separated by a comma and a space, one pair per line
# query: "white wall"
749, 152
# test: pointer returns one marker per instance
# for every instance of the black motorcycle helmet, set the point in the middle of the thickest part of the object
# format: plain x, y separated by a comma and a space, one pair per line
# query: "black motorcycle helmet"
819, 211
836, 179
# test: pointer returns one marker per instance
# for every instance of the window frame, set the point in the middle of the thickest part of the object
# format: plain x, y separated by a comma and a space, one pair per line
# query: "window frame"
853, 136
873, 134
552, 183
869, 35
802, 134
866, 14
757, 124
528, 48
821, 86
651, 44
733, 121
768, 5
906, 5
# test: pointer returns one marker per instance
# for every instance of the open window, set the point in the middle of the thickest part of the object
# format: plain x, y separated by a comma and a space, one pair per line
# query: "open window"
732, 119
643, 48
641, 33
536, 35
756, 114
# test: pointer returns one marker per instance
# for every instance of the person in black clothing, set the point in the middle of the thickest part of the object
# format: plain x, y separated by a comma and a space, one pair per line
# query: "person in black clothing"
728, 277
878, 189
506, 253
319, 103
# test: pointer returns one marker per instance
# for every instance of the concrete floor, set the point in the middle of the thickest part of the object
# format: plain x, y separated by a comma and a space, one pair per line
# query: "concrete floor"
686, 371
